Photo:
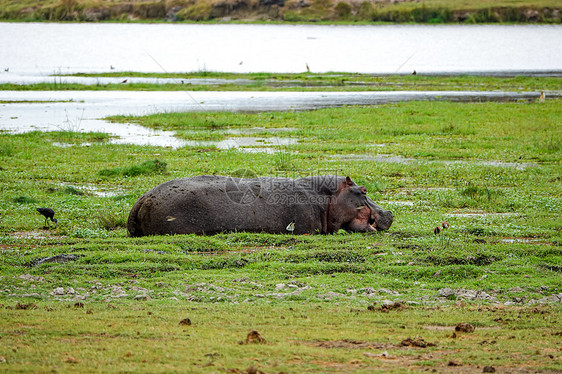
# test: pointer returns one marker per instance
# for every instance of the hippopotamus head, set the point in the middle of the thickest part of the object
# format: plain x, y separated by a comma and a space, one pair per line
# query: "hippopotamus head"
353, 210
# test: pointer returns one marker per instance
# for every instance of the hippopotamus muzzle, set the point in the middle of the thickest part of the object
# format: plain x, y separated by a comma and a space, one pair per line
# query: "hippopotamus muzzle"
380, 219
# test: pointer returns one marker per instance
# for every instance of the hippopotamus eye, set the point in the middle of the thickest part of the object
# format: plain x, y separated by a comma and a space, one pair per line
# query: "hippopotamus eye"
363, 190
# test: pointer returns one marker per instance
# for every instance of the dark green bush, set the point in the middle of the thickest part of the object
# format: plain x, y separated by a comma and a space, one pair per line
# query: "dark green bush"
432, 15
365, 11
200, 11
73, 191
24, 200
112, 221
342, 11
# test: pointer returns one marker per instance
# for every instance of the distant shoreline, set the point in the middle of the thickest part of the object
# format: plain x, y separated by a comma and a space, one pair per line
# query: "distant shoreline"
285, 11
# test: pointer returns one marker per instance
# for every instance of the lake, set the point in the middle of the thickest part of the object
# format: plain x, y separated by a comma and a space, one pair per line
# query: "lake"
48, 48
31, 52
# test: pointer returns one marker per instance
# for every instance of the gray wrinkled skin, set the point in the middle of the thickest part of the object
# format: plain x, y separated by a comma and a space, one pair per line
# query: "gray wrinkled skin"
212, 204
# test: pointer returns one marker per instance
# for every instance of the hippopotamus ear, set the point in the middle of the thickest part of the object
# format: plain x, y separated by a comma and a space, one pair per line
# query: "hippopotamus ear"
363, 190
349, 182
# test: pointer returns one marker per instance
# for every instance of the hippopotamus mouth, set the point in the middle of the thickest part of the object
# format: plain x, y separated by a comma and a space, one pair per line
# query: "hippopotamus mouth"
379, 218
372, 220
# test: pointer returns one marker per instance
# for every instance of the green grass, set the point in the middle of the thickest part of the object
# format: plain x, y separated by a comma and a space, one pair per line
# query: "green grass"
432, 131
147, 337
317, 300
147, 167
311, 82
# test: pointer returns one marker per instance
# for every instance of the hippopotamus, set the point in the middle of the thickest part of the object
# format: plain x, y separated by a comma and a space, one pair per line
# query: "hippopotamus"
212, 204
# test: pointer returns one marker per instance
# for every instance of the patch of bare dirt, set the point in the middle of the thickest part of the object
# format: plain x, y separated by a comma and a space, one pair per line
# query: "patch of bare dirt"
26, 306
417, 342
445, 360
349, 344
438, 328
385, 308
452, 328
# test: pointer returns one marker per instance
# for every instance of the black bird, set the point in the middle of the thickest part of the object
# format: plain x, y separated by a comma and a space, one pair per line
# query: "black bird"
49, 214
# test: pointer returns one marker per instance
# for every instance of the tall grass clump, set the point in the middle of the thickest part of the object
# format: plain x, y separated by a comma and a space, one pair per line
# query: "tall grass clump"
147, 167
73, 191
111, 221
24, 200
6, 150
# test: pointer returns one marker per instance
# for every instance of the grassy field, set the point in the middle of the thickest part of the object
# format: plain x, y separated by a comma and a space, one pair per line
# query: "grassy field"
300, 82
387, 302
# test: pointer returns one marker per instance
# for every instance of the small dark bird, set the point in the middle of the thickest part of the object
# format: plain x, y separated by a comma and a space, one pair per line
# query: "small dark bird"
125, 81
49, 214
415, 73
7, 70
436, 230
111, 67
307, 68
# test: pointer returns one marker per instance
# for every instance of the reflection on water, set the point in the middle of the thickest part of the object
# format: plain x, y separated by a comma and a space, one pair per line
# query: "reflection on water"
266, 144
254, 130
96, 190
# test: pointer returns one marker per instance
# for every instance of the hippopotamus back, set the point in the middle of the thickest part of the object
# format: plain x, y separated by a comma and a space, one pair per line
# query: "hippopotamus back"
211, 204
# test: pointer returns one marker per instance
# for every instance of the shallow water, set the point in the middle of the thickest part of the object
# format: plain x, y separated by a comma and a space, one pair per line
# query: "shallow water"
267, 145
96, 190
397, 159
25, 79
25, 111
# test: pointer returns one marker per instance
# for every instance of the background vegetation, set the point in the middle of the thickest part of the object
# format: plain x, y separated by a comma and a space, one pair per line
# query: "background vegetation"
427, 11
